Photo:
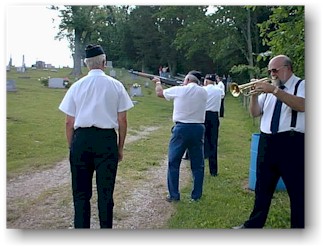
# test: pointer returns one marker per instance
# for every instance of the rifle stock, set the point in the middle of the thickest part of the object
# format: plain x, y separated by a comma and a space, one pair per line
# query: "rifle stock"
163, 80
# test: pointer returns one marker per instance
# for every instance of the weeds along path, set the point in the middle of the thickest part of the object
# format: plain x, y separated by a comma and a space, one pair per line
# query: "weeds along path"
43, 200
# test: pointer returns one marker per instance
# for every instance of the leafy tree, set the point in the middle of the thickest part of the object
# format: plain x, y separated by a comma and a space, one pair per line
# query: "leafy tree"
284, 33
146, 38
81, 25
229, 37
171, 21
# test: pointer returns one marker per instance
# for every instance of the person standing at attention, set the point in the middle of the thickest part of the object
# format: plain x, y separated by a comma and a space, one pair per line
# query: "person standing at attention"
187, 133
212, 122
95, 107
220, 84
281, 144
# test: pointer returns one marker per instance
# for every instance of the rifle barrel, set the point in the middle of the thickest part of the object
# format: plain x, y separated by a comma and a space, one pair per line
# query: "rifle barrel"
164, 80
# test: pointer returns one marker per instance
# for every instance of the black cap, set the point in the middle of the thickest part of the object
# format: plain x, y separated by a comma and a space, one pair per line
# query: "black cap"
93, 51
197, 74
211, 77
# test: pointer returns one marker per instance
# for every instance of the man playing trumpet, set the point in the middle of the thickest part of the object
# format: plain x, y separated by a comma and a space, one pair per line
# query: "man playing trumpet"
281, 106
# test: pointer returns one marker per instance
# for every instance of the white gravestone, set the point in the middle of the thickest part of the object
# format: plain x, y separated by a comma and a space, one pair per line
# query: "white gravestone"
113, 73
135, 91
11, 86
56, 83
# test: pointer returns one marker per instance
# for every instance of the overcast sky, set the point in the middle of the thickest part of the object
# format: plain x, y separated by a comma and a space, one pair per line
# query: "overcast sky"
30, 32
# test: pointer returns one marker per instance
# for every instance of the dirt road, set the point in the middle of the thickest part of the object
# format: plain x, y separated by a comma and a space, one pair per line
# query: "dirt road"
43, 200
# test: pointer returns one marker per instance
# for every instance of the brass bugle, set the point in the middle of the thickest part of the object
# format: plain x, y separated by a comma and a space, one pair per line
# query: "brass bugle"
246, 89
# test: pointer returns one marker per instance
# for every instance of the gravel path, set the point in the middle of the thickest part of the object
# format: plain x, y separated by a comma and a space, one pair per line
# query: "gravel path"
43, 200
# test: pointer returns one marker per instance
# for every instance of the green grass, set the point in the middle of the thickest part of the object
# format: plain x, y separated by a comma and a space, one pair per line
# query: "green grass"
36, 128
36, 140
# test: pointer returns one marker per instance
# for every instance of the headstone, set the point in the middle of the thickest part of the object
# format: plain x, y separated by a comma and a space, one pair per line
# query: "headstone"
8, 68
11, 86
135, 91
113, 73
56, 83
21, 69
109, 64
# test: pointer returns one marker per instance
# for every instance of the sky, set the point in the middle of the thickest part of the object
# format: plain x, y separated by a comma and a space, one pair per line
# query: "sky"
31, 32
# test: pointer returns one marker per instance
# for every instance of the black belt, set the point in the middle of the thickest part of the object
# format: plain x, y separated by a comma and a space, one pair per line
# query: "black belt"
93, 128
177, 122
285, 133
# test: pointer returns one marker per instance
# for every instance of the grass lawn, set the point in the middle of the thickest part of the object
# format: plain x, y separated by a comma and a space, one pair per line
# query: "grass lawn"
36, 140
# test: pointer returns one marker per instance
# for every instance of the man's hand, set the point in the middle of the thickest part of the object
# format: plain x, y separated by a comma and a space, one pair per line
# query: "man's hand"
156, 80
264, 87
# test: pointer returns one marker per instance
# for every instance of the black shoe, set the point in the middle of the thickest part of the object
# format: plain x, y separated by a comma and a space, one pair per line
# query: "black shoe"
239, 227
170, 199
214, 175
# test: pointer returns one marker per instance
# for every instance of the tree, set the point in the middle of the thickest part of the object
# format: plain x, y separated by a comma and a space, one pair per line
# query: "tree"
171, 20
284, 33
81, 25
229, 37
146, 38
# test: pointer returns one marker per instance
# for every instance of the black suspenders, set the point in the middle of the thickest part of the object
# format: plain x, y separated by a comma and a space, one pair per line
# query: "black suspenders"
294, 113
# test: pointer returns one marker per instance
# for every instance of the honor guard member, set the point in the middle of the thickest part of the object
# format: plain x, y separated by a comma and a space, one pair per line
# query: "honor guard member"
212, 122
96, 127
187, 133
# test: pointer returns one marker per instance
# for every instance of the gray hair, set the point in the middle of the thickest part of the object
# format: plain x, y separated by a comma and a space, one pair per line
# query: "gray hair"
193, 78
95, 62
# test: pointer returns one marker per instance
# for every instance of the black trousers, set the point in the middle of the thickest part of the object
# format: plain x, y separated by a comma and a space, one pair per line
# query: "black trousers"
93, 149
212, 124
279, 155
222, 108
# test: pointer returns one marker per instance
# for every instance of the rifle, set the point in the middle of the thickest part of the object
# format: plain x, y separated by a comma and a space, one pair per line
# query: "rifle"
163, 80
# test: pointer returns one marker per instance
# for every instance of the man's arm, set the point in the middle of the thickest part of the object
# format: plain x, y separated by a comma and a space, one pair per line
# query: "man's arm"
295, 102
254, 107
69, 129
158, 89
122, 132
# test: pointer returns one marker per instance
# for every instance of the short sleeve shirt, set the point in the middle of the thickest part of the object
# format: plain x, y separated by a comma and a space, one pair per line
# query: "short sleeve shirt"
189, 102
95, 100
267, 103
214, 98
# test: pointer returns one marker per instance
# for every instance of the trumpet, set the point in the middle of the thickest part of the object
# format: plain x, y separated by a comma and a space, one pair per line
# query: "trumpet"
246, 89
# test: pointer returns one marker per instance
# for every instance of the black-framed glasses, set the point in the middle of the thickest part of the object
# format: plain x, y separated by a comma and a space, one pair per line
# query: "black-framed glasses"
275, 70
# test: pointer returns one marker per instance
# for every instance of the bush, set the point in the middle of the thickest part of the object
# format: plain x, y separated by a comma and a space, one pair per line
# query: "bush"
44, 80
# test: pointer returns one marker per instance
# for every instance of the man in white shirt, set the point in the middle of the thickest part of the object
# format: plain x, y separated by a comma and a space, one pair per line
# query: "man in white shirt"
212, 122
281, 144
220, 84
187, 133
95, 107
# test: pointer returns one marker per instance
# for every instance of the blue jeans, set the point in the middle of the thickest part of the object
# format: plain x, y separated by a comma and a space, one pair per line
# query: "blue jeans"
191, 137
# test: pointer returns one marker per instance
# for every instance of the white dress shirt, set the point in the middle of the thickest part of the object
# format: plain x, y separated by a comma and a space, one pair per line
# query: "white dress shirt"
95, 100
267, 104
221, 86
189, 103
214, 98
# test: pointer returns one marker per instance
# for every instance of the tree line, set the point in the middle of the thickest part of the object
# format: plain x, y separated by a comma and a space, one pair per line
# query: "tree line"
235, 40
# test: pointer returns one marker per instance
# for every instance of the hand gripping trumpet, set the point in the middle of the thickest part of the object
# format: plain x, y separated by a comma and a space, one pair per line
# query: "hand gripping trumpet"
246, 89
